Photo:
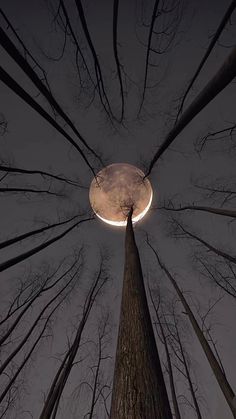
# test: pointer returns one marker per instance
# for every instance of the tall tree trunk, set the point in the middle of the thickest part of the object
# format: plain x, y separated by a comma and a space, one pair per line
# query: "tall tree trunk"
139, 390
163, 339
220, 80
187, 372
216, 368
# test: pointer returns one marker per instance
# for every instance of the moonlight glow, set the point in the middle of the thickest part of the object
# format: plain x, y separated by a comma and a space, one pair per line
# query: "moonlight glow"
115, 189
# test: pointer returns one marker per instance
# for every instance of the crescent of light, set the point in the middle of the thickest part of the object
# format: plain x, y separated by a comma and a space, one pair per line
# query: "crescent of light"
134, 220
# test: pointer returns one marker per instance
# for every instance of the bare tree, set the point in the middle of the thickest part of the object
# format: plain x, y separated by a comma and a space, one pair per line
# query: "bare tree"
56, 389
43, 174
138, 384
35, 323
181, 356
181, 232
100, 390
162, 336
165, 20
216, 367
32, 233
221, 79
15, 87
218, 211
29, 300
23, 256
225, 20
10, 48
118, 64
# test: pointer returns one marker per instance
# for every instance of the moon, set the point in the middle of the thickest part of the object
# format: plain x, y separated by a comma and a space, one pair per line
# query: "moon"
117, 188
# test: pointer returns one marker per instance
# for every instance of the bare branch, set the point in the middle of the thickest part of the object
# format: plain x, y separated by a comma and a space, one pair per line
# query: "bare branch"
118, 65
16, 88
222, 78
214, 40
23, 256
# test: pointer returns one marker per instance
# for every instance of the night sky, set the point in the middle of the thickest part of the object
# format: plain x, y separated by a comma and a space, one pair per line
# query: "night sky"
29, 142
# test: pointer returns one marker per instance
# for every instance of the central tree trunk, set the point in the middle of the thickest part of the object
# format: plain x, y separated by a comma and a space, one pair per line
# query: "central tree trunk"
139, 390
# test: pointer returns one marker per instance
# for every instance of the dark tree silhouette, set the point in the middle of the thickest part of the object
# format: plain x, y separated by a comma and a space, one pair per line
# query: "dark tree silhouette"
88, 75
138, 387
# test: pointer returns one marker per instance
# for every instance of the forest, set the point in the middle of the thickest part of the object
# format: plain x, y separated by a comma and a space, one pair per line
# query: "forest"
84, 85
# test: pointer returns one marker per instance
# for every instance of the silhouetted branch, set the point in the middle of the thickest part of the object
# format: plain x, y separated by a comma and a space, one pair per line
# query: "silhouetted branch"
219, 211
214, 40
32, 349
28, 190
16, 88
218, 191
220, 135
52, 402
31, 233
164, 341
23, 256
164, 36
97, 68
46, 286
182, 232
24, 65
118, 65
18, 348
154, 12
222, 78
216, 368
9, 169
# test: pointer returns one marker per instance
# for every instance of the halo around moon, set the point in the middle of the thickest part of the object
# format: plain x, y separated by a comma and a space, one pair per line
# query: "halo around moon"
115, 189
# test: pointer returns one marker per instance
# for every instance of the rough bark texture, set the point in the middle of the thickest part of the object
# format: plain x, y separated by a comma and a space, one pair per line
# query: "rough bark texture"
139, 390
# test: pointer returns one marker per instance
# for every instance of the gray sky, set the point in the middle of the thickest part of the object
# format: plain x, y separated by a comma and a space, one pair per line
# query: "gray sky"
31, 143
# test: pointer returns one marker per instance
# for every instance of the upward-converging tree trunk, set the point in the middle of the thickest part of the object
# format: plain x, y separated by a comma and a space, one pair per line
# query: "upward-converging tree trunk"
215, 366
139, 390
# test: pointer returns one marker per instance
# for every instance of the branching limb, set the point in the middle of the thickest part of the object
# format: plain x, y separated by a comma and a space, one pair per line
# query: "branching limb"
213, 42
221, 79
23, 256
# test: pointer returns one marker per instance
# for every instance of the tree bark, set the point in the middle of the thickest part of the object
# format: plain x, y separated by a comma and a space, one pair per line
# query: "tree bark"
139, 390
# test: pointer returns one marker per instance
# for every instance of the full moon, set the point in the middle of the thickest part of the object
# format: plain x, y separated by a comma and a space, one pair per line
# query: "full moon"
116, 189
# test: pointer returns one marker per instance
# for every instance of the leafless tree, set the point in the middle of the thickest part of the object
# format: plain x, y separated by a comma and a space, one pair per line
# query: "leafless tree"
33, 233
26, 302
99, 388
216, 265
215, 365
156, 302
218, 211
39, 326
165, 20
16, 170
222, 78
59, 382
23, 256
138, 383
15, 87
182, 362
225, 20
